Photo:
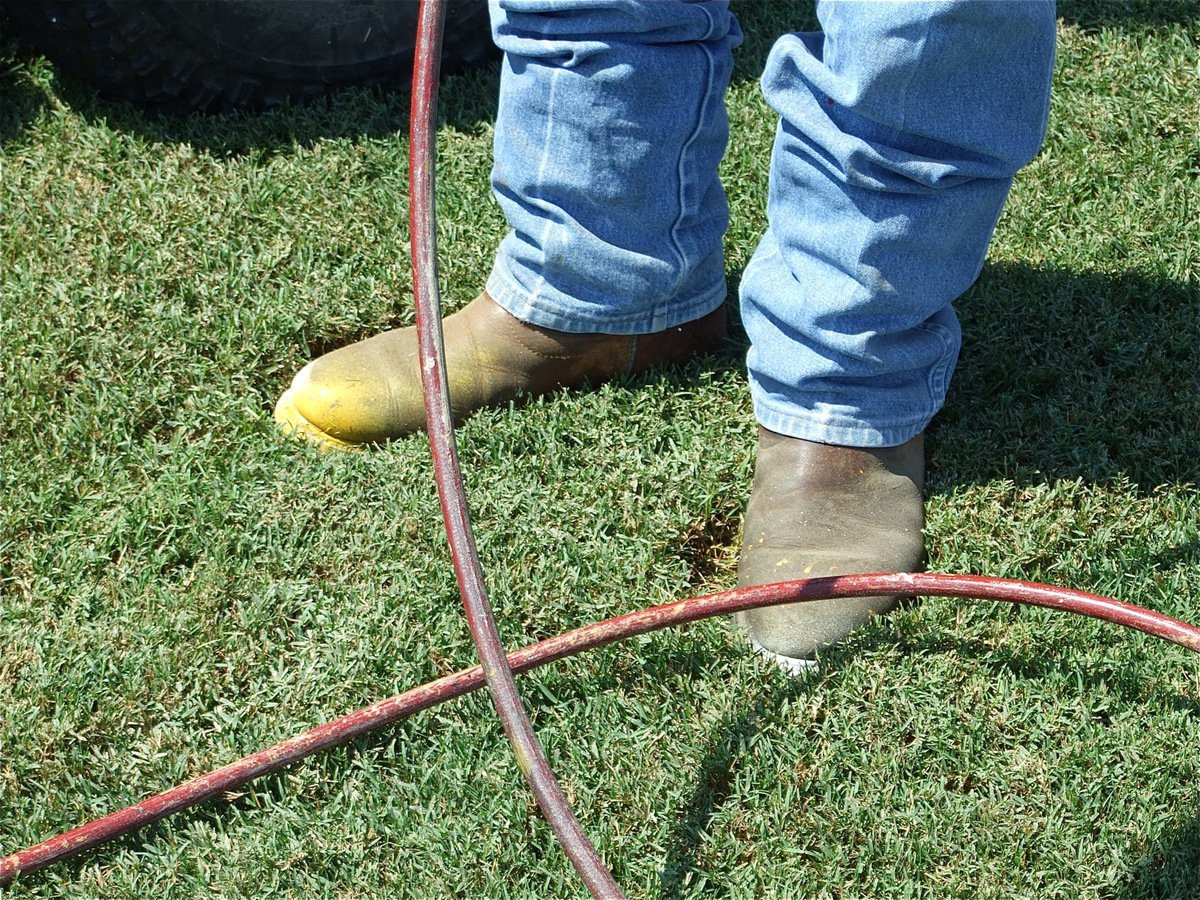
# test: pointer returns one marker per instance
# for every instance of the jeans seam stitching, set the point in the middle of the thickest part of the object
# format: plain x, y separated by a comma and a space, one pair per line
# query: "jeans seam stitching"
701, 118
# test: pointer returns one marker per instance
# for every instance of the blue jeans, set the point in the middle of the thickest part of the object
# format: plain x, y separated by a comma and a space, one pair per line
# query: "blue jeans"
901, 126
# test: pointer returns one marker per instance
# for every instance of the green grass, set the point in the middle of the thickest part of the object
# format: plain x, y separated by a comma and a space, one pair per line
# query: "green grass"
182, 585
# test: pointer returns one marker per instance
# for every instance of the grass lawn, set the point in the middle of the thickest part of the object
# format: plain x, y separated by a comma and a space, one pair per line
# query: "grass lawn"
181, 585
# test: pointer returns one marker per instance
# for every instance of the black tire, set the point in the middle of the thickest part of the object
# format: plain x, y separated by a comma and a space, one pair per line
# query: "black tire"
179, 56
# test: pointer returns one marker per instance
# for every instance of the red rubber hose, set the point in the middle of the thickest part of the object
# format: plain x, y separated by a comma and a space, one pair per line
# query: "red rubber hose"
385, 712
440, 427
497, 668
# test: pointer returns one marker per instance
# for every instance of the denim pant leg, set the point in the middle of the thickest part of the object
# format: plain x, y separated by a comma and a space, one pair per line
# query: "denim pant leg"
901, 127
610, 128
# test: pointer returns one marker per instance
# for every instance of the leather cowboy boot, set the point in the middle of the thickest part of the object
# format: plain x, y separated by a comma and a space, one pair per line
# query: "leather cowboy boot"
371, 391
819, 509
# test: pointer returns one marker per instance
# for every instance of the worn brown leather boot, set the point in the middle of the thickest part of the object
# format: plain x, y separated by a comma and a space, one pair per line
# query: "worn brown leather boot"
820, 509
371, 391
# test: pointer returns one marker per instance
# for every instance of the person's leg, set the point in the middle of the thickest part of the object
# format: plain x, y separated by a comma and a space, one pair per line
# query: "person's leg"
901, 127
610, 129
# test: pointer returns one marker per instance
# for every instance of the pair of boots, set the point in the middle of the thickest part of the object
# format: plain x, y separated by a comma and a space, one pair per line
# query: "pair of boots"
815, 509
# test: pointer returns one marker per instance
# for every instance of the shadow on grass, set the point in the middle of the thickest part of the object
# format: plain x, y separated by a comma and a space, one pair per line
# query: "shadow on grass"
1092, 15
18, 106
466, 103
467, 100
20, 102
727, 752
1169, 870
1127, 686
1072, 375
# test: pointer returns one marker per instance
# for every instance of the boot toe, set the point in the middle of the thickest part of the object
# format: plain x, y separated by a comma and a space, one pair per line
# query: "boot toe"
307, 410
820, 510
370, 392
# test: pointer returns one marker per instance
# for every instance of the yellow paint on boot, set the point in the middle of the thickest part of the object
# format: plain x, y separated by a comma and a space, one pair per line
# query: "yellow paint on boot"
370, 392
293, 422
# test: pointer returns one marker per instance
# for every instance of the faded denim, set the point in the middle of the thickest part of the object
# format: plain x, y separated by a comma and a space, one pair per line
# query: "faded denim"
901, 126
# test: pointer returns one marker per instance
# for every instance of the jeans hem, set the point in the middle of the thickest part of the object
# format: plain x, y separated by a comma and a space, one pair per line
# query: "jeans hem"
552, 311
828, 428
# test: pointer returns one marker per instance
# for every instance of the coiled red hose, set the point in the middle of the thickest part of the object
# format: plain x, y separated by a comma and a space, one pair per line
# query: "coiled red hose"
497, 668
385, 712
